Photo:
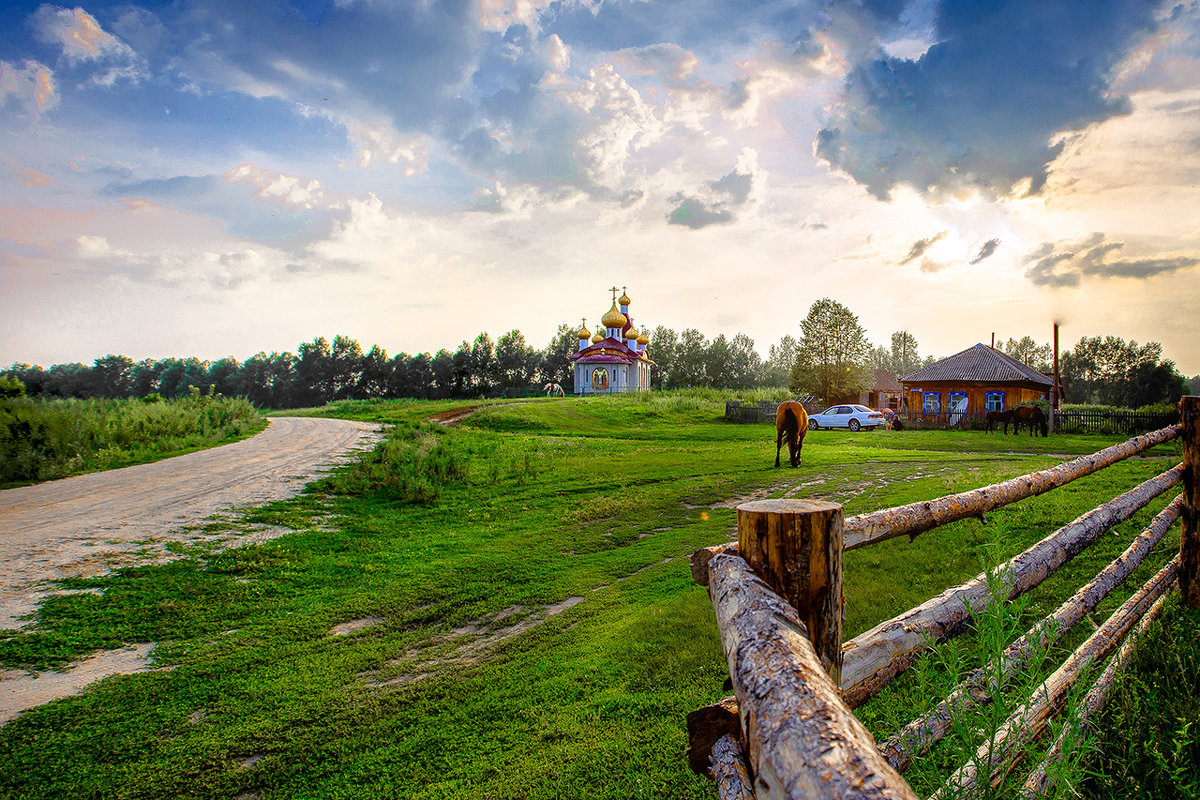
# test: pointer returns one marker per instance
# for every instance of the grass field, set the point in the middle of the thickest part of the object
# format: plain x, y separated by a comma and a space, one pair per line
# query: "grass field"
529, 627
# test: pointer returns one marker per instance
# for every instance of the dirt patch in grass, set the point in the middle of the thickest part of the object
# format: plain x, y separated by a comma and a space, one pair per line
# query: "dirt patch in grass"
347, 628
464, 645
21, 691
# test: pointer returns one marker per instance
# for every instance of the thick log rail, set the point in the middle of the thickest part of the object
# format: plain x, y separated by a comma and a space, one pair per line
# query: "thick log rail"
789, 731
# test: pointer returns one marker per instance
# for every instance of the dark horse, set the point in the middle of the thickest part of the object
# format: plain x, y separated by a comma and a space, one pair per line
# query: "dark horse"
791, 421
1031, 416
995, 417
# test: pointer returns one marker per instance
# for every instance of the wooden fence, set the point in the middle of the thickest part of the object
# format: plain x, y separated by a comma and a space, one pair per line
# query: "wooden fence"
745, 411
789, 731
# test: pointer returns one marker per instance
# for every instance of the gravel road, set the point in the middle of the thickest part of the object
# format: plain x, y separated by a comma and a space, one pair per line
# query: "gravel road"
89, 524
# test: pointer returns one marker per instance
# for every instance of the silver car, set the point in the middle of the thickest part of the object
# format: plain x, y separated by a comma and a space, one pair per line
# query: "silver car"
850, 415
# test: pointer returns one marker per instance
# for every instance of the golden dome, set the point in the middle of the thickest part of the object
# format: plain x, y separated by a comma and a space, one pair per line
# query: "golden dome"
599, 337
614, 318
583, 332
632, 333
624, 299
643, 340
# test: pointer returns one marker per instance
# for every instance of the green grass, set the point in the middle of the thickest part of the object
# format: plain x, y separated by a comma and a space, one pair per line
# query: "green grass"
44, 439
453, 537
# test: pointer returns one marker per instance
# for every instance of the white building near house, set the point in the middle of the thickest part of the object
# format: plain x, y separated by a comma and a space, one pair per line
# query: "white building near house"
615, 360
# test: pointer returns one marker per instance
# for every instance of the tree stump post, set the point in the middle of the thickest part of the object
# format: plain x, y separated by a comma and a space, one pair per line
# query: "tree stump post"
795, 546
1189, 544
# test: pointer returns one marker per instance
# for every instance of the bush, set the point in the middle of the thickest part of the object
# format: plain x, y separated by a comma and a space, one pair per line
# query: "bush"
44, 439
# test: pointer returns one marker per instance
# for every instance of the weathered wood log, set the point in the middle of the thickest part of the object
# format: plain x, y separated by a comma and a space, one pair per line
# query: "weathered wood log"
801, 740
701, 557
922, 733
796, 547
1040, 782
729, 770
871, 659
916, 518
1189, 544
992, 759
705, 726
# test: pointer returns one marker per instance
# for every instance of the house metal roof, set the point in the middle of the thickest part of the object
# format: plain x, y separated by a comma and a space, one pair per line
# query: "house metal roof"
979, 363
886, 382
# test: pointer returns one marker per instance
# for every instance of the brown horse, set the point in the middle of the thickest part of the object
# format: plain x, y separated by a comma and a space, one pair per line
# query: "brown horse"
1031, 416
993, 418
791, 421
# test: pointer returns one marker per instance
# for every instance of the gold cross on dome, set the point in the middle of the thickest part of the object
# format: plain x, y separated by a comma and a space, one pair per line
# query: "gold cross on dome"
614, 291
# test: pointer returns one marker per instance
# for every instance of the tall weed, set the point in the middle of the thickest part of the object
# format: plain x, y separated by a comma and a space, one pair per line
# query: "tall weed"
43, 439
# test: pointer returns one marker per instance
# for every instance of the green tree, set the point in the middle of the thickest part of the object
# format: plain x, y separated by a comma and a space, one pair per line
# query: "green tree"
831, 361
905, 354
554, 363
662, 348
345, 368
1030, 353
483, 365
314, 372
1111, 371
514, 360
780, 358
687, 367
112, 376
376, 376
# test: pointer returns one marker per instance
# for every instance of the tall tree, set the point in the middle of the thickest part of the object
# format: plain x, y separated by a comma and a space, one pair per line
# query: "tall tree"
376, 375
554, 363
345, 367
314, 372
905, 355
483, 365
1111, 371
687, 368
1030, 353
514, 360
112, 376
780, 358
662, 349
832, 359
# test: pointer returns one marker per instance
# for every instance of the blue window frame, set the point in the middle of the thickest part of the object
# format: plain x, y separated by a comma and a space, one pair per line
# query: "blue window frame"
995, 401
931, 402
956, 398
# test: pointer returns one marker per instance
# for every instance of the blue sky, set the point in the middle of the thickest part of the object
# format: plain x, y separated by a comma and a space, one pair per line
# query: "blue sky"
221, 178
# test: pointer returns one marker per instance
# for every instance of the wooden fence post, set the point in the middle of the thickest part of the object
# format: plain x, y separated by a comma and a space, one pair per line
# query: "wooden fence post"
795, 546
1189, 544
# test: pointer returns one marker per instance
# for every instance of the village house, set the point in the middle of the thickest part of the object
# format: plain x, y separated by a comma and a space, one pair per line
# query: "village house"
971, 383
884, 392
615, 360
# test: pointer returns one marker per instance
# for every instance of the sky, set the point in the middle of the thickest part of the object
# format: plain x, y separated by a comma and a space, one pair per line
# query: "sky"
222, 178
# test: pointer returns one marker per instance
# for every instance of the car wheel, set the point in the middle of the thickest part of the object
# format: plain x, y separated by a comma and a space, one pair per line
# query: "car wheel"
812, 425
853, 425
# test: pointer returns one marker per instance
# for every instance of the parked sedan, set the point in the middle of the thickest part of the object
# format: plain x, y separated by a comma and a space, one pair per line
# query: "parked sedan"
852, 416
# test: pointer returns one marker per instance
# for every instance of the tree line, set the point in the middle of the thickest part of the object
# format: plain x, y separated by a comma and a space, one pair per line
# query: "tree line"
832, 359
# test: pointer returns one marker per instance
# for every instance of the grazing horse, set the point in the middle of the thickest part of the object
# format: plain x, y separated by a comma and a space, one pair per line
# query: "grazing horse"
791, 421
553, 390
1031, 416
995, 417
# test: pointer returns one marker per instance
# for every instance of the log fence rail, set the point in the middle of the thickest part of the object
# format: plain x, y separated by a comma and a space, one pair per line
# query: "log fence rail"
789, 730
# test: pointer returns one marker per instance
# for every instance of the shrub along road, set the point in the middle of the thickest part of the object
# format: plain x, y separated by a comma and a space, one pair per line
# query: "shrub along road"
85, 525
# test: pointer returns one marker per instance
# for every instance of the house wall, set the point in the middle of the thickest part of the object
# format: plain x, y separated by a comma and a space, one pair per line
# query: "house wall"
976, 393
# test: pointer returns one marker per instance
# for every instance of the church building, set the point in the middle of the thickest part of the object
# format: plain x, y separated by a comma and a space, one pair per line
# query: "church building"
615, 359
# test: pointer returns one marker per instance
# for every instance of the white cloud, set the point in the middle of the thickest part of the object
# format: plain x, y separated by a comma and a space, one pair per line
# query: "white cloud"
379, 143
81, 40
276, 185
31, 85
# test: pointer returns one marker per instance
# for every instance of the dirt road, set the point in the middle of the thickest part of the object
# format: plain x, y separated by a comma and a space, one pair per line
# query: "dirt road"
89, 524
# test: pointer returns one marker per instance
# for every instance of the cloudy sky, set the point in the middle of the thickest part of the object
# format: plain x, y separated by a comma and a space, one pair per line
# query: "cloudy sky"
218, 178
